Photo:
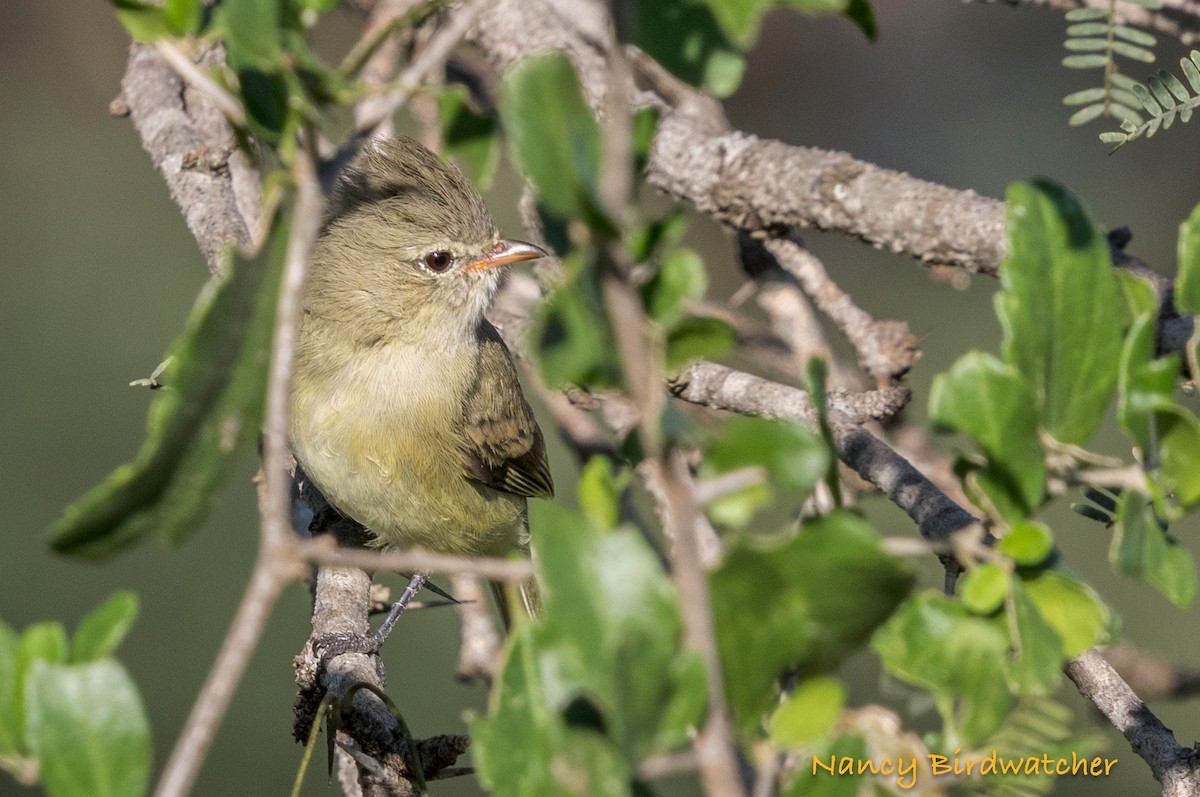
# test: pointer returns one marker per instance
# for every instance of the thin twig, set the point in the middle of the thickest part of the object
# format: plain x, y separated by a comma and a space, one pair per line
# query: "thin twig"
195, 77
433, 55
277, 562
886, 349
320, 552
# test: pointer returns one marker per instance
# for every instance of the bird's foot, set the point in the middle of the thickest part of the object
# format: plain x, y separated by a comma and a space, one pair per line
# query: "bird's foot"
327, 646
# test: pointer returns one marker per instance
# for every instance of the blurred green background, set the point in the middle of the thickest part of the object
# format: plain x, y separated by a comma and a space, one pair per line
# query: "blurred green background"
100, 272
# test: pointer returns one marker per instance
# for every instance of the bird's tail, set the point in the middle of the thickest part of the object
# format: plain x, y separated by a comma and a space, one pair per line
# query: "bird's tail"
525, 597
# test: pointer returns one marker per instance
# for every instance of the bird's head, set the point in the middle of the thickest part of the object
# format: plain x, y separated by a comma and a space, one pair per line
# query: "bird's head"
408, 242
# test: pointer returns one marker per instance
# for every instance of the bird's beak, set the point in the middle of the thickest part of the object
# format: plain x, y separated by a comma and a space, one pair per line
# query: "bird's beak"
505, 252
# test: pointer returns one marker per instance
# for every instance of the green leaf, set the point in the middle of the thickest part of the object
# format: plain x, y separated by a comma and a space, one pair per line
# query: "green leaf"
145, 22
686, 39
736, 509
1085, 115
790, 453
680, 277
1074, 610
1187, 282
1037, 660
802, 605
1084, 61
553, 138
600, 493
1133, 52
1141, 549
645, 241
1027, 543
468, 137
993, 403
935, 643
1179, 450
12, 730
808, 712
102, 630
89, 730
1145, 385
1058, 308
862, 14
684, 709
1084, 97
611, 630
253, 33
985, 587
524, 749
697, 337
212, 405
570, 330
822, 778
183, 16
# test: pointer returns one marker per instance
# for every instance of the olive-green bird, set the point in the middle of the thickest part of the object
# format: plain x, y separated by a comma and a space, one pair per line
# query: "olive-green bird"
406, 410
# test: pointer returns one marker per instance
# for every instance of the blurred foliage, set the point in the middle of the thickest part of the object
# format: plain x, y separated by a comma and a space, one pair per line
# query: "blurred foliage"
69, 712
604, 680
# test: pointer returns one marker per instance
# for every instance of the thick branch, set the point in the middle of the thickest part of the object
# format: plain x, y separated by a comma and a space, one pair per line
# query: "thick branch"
723, 388
190, 143
1176, 767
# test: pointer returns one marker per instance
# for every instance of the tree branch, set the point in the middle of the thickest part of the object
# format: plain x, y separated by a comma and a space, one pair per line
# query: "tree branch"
1176, 767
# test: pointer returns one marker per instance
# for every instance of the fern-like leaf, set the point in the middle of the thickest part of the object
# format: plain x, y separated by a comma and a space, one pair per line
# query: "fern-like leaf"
1096, 40
1165, 98
1036, 727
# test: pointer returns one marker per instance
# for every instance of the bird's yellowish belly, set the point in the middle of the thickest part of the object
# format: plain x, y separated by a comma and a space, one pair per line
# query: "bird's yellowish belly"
384, 451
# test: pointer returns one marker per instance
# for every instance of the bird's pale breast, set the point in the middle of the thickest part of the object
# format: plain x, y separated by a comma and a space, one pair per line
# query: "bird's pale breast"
378, 440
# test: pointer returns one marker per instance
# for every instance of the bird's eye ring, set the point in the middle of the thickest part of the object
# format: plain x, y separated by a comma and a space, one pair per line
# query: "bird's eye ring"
438, 261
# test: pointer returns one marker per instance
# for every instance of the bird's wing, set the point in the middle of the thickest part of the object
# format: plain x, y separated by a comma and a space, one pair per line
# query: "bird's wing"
502, 445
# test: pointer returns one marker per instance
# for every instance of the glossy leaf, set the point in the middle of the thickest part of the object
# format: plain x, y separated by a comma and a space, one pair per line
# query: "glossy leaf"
1179, 450
145, 22
1027, 543
1036, 662
600, 493
681, 277
611, 634
697, 337
211, 407
814, 599
985, 587
793, 456
523, 731
469, 138
1141, 549
1058, 309
89, 731
993, 403
570, 331
1187, 282
808, 712
553, 137
253, 33
685, 38
740, 18
183, 16
1145, 385
1074, 610
102, 630
935, 643
815, 780
12, 730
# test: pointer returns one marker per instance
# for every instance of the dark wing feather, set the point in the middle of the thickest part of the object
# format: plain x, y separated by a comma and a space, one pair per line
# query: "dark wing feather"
502, 445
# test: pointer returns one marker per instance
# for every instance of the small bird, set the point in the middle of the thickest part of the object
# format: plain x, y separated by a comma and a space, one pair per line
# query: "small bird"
406, 410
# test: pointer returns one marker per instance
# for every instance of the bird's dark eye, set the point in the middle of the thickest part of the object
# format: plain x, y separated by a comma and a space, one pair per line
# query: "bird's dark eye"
438, 261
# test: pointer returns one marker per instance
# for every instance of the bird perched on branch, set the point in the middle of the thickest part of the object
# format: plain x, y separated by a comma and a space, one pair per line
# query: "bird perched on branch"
406, 411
